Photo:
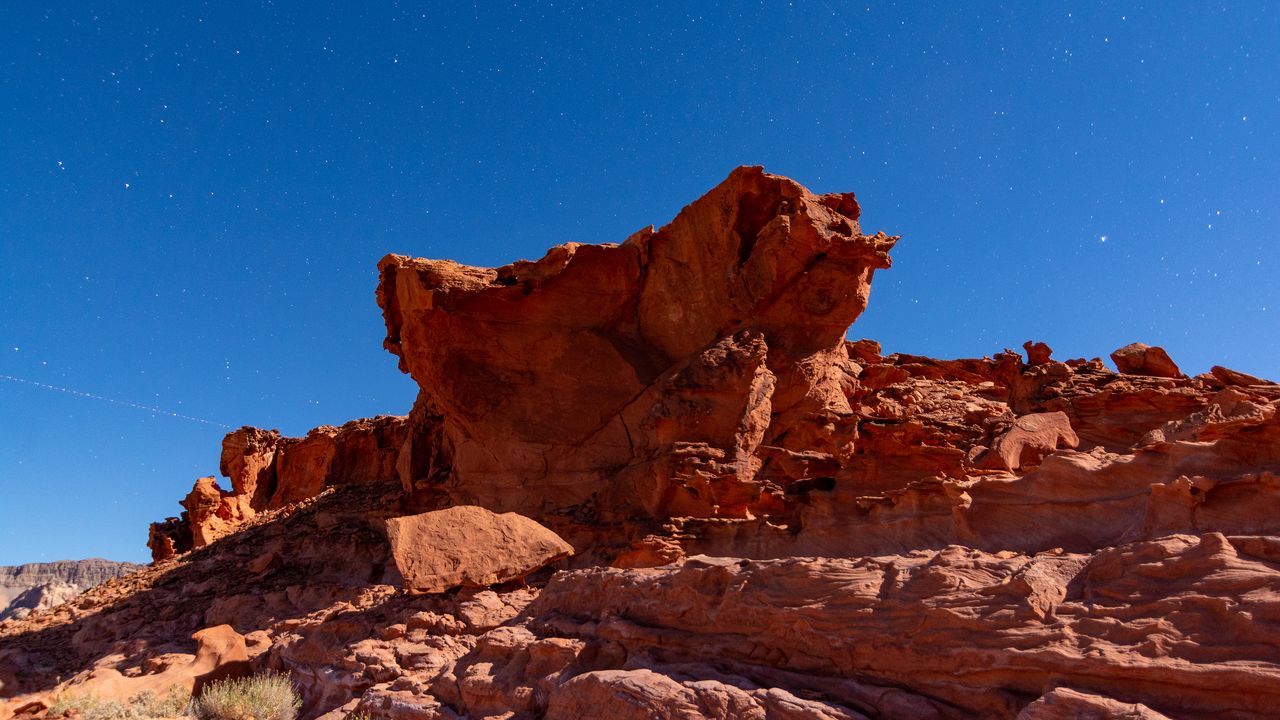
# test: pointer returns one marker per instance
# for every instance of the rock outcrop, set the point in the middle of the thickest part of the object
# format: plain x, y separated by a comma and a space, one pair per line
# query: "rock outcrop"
766, 520
270, 472
649, 379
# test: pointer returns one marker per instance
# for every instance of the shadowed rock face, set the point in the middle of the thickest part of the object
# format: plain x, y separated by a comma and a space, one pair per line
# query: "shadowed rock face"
270, 472
768, 521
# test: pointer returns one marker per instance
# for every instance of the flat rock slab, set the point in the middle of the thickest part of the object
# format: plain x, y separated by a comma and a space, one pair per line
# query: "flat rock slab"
469, 545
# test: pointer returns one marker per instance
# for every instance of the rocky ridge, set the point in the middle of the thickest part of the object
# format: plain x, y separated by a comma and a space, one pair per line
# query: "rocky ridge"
37, 586
766, 520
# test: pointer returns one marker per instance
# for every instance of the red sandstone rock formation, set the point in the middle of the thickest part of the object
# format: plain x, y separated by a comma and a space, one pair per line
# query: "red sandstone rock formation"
648, 379
270, 472
769, 521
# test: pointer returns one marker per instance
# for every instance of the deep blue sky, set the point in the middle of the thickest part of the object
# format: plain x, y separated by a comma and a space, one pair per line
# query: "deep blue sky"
193, 196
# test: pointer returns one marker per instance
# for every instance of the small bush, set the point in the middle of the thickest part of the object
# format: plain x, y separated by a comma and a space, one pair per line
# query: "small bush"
142, 706
261, 697
88, 707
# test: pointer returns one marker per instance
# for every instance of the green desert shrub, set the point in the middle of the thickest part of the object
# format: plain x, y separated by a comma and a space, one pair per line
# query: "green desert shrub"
144, 705
261, 697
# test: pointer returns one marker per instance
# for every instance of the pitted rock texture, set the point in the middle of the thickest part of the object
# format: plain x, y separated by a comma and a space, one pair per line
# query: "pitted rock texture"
979, 634
996, 454
768, 521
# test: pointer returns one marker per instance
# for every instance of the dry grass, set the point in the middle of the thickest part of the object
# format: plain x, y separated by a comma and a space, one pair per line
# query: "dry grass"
142, 706
261, 697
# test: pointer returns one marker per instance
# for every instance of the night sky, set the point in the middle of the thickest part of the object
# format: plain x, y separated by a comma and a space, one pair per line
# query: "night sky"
193, 196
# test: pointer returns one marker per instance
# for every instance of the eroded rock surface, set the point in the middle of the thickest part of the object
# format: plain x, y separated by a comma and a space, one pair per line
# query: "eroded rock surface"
767, 520
645, 379
270, 472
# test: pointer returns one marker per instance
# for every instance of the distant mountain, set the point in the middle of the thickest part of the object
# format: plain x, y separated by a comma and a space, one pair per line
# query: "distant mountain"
36, 586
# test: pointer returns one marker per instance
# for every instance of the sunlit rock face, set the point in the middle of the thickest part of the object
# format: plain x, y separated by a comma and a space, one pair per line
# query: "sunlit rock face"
697, 376
38, 586
650, 379
765, 519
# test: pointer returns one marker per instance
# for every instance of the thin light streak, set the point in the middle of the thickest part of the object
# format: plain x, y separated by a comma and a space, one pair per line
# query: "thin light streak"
126, 403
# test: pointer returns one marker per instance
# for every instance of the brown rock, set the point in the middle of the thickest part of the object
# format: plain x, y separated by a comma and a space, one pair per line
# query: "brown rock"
642, 694
1140, 359
468, 545
269, 472
968, 633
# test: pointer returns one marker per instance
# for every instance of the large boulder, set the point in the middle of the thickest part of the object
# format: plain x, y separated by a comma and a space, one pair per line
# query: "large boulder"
471, 546
1142, 359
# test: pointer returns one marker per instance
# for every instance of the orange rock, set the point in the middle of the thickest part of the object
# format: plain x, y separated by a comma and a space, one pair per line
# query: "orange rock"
248, 459
468, 545
221, 653
1227, 376
1037, 352
960, 629
1067, 704
210, 510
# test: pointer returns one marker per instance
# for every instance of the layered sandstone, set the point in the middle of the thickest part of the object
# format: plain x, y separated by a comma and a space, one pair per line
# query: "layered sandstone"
767, 520
37, 586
